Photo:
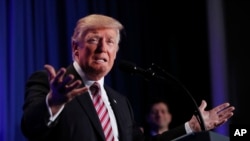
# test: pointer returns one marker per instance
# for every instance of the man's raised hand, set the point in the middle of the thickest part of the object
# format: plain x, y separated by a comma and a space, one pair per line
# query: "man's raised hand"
63, 88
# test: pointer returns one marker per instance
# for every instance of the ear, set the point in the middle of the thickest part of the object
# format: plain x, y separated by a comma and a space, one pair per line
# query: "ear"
74, 46
170, 118
75, 49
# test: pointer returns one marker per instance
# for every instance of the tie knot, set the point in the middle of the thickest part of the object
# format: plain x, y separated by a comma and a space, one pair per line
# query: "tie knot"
94, 88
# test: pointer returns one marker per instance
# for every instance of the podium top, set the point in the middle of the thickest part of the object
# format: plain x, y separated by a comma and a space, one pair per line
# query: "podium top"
203, 136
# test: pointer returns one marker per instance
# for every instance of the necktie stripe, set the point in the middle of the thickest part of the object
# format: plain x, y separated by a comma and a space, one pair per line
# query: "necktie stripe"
102, 112
101, 109
108, 136
104, 118
97, 101
106, 124
107, 130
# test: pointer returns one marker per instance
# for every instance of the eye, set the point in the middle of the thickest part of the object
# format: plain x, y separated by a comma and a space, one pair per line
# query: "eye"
110, 41
93, 40
163, 112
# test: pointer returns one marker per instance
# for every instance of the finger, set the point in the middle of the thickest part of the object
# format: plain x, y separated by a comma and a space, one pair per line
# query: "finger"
59, 76
73, 85
51, 71
66, 81
227, 110
221, 122
221, 107
226, 114
203, 105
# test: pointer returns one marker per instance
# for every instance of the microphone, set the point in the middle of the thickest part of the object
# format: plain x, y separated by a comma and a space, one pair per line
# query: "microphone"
197, 112
132, 68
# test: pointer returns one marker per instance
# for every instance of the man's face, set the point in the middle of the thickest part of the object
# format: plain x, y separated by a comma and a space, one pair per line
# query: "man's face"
97, 51
159, 116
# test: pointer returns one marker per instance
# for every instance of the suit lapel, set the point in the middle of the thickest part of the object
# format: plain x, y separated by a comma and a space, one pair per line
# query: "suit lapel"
116, 106
86, 103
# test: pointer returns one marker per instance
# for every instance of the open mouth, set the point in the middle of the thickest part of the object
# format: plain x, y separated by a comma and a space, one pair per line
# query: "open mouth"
101, 60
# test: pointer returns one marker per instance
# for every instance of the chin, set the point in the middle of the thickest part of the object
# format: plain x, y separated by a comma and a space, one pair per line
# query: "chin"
100, 71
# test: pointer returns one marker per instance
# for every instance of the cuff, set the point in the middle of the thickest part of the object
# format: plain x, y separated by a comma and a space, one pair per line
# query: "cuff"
52, 117
187, 128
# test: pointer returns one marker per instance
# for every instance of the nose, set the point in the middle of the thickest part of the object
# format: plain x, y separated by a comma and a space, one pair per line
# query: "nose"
157, 114
102, 46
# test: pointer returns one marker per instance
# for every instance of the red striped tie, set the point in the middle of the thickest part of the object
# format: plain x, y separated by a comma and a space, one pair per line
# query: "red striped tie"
102, 112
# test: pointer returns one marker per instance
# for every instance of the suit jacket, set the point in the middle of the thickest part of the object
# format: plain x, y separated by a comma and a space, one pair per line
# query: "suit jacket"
78, 121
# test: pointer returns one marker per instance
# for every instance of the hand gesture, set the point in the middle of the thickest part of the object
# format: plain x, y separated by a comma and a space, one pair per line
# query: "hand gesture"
62, 88
212, 118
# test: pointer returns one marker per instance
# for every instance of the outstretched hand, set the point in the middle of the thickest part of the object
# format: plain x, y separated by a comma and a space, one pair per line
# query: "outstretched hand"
212, 118
63, 88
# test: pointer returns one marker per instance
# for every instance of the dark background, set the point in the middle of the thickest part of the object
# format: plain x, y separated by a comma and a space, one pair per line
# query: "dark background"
203, 44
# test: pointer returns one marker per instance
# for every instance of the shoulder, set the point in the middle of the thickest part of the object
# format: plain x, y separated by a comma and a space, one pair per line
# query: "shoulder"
114, 94
37, 77
39, 74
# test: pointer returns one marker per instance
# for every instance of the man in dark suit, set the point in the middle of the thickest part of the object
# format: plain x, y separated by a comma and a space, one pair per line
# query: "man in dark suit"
61, 106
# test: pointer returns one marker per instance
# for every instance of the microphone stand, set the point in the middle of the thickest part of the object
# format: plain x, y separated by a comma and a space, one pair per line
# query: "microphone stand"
197, 112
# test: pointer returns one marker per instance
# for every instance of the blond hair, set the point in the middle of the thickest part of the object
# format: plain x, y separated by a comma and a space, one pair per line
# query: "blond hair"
94, 21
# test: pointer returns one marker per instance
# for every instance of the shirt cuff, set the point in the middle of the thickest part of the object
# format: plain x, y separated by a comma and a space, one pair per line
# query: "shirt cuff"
187, 128
52, 117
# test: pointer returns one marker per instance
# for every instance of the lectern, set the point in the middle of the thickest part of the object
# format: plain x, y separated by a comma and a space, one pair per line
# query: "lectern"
203, 136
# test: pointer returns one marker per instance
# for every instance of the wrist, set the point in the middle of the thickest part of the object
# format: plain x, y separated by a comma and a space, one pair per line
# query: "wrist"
194, 124
53, 104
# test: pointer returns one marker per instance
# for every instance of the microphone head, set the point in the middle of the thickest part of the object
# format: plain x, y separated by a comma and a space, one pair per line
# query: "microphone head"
127, 66
131, 68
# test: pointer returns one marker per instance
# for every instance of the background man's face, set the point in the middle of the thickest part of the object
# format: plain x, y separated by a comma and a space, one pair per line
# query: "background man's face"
159, 116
